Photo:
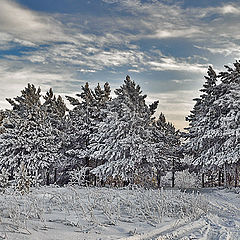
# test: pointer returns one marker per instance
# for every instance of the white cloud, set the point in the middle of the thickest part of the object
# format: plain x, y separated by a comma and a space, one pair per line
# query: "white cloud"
134, 70
176, 105
230, 9
225, 49
116, 58
154, 20
28, 27
186, 33
16, 19
173, 64
182, 81
87, 70
13, 79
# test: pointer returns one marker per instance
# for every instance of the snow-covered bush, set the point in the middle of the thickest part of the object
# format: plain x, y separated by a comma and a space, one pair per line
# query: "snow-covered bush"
78, 176
185, 179
4, 179
166, 180
23, 180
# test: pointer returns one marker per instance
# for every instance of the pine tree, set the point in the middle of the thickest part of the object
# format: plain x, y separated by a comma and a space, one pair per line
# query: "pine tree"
28, 104
55, 107
201, 120
131, 95
167, 133
125, 143
30, 136
229, 119
82, 122
55, 116
213, 138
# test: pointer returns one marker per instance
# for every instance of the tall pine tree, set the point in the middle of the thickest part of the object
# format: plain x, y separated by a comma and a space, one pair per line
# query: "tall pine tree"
126, 144
83, 120
213, 135
30, 137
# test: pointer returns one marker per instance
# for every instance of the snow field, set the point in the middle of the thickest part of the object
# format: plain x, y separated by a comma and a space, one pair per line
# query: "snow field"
95, 213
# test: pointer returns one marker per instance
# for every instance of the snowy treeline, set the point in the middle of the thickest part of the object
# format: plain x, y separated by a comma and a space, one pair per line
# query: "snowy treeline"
213, 138
100, 139
120, 140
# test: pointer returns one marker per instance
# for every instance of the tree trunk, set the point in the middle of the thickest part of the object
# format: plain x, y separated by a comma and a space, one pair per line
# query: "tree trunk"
55, 175
95, 178
222, 177
173, 179
102, 183
48, 178
203, 183
213, 180
236, 176
219, 178
225, 175
87, 177
87, 173
158, 179
173, 174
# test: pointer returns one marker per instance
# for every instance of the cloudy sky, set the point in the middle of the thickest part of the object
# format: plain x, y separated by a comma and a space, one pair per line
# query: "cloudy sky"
164, 45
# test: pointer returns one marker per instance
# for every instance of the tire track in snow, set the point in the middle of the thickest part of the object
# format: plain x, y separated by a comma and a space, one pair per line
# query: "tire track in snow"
221, 223
171, 231
224, 216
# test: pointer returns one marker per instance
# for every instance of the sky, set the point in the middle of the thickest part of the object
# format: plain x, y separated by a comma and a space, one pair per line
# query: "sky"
165, 46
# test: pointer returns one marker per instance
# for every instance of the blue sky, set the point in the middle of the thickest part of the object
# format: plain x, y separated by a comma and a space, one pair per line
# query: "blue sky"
165, 46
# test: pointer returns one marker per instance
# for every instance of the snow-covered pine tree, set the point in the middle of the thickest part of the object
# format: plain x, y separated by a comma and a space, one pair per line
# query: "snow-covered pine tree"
131, 95
167, 133
55, 116
82, 122
125, 144
213, 134
202, 119
228, 152
29, 136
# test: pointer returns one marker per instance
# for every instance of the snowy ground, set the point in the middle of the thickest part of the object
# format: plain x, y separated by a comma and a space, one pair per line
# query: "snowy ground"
99, 213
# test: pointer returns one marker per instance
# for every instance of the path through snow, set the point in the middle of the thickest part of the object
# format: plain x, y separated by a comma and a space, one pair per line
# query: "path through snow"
221, 223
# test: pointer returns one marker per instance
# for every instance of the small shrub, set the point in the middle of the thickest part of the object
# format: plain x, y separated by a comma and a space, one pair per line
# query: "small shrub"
4, 179
185, 179
23, 180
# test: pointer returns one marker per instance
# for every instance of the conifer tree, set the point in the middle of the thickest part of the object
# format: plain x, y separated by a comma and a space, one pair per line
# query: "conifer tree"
202, 119
167, 133
125, 143
28, 104
229, 116
83, 121
30, 137
55, 110
213, 137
